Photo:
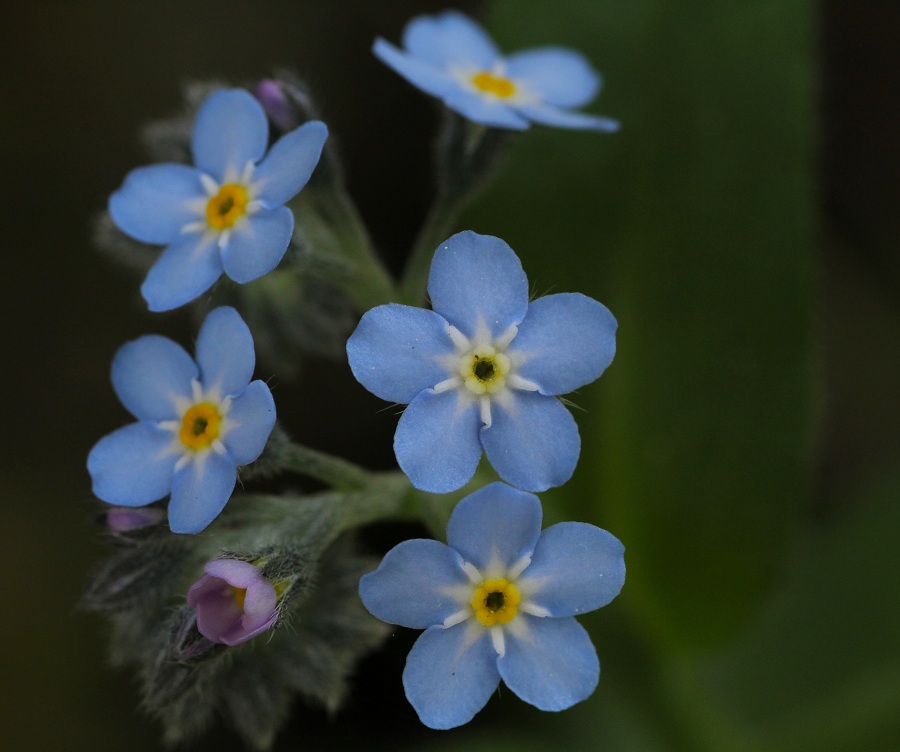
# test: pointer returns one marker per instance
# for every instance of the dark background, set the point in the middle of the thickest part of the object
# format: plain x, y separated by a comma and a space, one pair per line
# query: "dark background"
717, 104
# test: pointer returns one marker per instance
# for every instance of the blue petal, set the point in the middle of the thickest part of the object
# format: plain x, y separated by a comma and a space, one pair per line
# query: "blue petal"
437, 442
478, 278
421, 74
450, 40
568, 339
289, 164
447, 678
412, 586
184, 271
484, 109
251, 420
257, 245
496, 524
576, 568
149, 374
230, 130
547, 115
132, 466
225, 352
200, 490
153, 203
553, 666
535, 444
557, 75
393, 352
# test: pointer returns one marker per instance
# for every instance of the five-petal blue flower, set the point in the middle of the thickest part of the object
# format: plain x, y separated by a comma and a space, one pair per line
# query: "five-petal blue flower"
451, 57
227, 213
497, 602
197, 422
482, 370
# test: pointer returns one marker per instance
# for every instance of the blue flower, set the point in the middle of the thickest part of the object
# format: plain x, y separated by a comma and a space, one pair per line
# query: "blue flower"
497, 603
227, 213
197, 422
452, 58
482, 369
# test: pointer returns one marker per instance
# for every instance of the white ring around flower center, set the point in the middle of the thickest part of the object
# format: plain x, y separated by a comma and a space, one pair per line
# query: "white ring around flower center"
483, 368
243, 181
183, 407
464, 594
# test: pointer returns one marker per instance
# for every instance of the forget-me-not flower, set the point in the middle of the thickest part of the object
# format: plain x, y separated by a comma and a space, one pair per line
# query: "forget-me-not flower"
483, 368
225, 214
452, 58
233, 601
497, 603
197, 422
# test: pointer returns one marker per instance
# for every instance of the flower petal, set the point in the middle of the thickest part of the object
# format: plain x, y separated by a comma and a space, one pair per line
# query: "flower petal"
581, 121
478, 278
259, 606
237, 573
218, 613
230, 130
225, 352
450, 39
568, 340
289, 164
420, 74
200, 491
449, 677
153, 203
184, 271
557, 75
393, 352
414, 583
534, 444
132, 466
150, 374
495, 525
250, 421
553, 665
257, 245
437, 441
484, 109
575, 568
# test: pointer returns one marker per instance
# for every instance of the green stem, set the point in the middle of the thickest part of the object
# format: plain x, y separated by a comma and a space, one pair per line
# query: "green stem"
335, 230
336, 472
436, 229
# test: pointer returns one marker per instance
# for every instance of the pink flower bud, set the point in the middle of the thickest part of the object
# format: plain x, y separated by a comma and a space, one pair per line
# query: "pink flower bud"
234, 602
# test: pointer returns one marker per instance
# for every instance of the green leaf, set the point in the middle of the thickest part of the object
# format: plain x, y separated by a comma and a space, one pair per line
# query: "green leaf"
693, 224
819, 669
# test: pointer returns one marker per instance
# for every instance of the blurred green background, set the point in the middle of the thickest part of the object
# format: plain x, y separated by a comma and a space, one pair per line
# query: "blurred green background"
744, 445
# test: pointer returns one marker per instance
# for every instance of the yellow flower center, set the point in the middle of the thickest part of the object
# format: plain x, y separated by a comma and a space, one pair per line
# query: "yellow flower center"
496, 602
227, 206
239, 595
484, 370
498, 86
200, 426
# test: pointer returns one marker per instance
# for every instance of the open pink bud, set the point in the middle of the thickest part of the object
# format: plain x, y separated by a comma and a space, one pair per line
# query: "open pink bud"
234, 602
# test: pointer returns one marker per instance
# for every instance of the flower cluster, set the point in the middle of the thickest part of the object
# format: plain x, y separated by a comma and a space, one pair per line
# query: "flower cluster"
481, 372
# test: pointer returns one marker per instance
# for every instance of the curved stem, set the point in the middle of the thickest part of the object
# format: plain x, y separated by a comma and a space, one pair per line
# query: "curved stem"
334, 471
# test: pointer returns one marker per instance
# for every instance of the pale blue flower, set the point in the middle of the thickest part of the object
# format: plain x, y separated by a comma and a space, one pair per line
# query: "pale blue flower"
225, 214
452, 58
482, 370
497, 603
198, 421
